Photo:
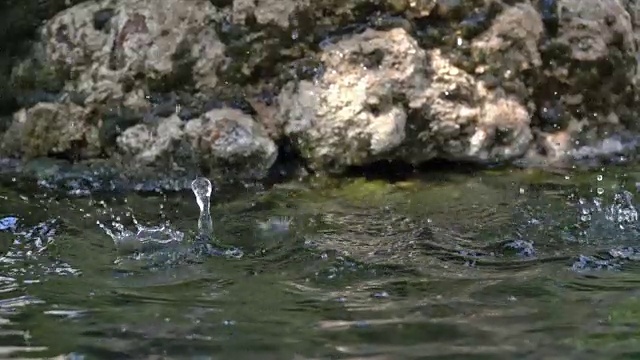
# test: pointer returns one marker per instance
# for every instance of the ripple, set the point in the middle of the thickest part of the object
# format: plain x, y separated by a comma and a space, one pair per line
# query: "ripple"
476, 269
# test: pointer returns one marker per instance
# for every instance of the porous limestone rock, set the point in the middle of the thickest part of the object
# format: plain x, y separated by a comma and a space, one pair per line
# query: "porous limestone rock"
382, 97
49, 129
221, 141
588, 83
345, 82
102, 51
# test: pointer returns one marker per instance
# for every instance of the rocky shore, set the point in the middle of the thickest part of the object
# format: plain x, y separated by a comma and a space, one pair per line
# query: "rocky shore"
226, 87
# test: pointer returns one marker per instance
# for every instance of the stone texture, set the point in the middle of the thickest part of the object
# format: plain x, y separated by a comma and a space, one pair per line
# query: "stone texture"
588, 84
106, 49
224, 137
508, 49
276, 12
383, 97
220, 141
152, 144
110, 56
347, 83
49, 129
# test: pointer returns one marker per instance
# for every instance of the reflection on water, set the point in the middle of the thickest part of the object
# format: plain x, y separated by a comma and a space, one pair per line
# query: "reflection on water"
496, 266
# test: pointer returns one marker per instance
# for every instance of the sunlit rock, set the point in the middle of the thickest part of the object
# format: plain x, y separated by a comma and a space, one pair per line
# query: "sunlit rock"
383, 97
344, 82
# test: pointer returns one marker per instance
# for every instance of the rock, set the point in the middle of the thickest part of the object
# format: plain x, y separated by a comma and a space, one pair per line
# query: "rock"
51, 129
589, 28
112, 57
152, 144
466, 120
382, 97
588, 83
19, 20
225, 142
277, 12
356, 82
509, 48
105, 49
348, 117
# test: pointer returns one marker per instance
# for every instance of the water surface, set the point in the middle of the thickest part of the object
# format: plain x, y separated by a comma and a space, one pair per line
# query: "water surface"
490, 265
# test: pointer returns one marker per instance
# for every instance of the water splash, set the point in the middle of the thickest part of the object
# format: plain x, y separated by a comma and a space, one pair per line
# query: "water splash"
38, 237
27, 257
622, 211
202, 188
598, 220
612, 223
277, 225
8, 223
144, 238
162, 245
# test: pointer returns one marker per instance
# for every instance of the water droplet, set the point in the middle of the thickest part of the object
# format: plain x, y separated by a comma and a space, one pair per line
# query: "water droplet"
381, 295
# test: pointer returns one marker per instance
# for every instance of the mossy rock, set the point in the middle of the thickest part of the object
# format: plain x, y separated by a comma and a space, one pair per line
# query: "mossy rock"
30, 75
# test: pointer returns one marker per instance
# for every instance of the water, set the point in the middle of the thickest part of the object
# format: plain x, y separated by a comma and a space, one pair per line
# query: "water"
486, 266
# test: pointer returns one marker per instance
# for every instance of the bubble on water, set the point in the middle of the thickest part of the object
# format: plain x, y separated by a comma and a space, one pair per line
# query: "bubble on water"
612, 218
622, 211
278, 224
380, 295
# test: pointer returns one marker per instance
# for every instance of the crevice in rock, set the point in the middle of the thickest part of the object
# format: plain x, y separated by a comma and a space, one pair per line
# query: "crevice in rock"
221, 3
549, 11
289, 164
102, 19
396, 170
115, 120
388, 170
458, 167
8, 101
363, 11
73, 154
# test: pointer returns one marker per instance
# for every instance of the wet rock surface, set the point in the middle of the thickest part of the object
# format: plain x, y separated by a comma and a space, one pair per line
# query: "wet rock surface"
587, 87
50, 129
219, 86
218, 139
383, 97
